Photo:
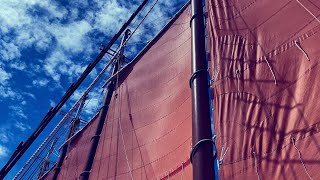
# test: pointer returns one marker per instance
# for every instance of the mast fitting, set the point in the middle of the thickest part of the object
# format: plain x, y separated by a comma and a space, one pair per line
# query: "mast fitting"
193, 150
194, 75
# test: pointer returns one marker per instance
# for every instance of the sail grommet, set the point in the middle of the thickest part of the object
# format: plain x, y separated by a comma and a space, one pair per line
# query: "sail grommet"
196, 146
193, 76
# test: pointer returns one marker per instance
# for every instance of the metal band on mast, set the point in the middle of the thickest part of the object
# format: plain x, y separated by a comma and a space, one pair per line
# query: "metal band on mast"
202, 143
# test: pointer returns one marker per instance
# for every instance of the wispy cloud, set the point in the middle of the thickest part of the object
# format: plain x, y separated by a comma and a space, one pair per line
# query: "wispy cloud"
5, 135
52, 103
4, 151
4, 76
40, 82
17, 111
5, 138
28, 94
18, 65
21, 126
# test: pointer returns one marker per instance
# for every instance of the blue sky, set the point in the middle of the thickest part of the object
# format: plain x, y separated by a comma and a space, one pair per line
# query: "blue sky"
45, 46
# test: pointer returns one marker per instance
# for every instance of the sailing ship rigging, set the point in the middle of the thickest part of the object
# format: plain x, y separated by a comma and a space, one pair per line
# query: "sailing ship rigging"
246, 69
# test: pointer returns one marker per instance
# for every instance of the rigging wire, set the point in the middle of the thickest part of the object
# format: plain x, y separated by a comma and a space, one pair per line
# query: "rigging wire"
119, 120
85, 93
315, 17
274, 76
302, 50
60, 123
66, 116
223, 154
39, 151
300, 157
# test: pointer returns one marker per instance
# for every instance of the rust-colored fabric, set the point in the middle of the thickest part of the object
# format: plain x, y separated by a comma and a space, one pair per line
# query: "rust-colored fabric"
75, 160
153, 106
249, 41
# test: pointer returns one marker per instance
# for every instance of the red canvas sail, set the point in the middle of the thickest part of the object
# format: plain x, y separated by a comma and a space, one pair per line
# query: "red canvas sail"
265, 57
147, 131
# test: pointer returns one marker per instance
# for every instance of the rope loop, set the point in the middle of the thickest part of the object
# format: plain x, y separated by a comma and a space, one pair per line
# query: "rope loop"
293, 140
194, 75
202, 141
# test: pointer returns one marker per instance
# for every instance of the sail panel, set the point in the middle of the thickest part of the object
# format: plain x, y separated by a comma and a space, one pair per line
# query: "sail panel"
264, 58
150, 134
147, 131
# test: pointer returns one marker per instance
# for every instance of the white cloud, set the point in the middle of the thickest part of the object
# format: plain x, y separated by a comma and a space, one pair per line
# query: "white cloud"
59, 64
63, 38
18, 65
17, 111
29, 95
21, 126
4, 76
71, 37
4, 151
40, 82
7, 92
9, 50
111, 16
52, 103
4, 135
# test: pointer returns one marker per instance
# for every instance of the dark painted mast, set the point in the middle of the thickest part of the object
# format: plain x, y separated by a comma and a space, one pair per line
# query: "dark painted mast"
74, 126
46, 162
202, 152
23, 146
103, 112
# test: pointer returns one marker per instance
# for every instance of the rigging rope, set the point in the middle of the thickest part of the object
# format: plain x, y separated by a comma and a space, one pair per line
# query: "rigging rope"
132, 33
300, 156
302, 50
256, 165
223, 154
274, 76
66, 116
119, 120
